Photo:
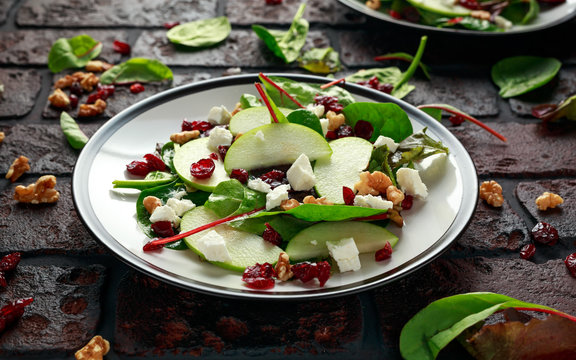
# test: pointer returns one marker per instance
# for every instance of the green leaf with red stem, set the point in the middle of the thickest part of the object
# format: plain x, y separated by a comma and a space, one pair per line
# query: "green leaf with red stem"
275, 113
74, 52
452, 110
404, 57
267, 81
552, 112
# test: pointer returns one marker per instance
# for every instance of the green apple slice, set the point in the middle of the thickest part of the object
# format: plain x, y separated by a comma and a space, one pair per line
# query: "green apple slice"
442, 7
310, 243
350, 156
190, 153
275, 144
245, 249
251, 118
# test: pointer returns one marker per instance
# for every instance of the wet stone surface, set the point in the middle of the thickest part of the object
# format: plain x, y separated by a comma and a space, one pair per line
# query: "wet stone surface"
21, 89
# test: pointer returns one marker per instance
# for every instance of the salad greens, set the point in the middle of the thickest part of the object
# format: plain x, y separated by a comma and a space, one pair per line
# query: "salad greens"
387, 119
405, 57
76, 138
74, 52
520, 74
137, 70
552, 112
320, 61
201, 33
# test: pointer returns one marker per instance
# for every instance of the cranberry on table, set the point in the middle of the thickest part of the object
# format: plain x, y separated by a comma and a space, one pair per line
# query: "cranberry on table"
203, 168
570, 262
170, 25
136, 88
73, 101
528, 251
121, 47
545, 233
12, 312
456, 120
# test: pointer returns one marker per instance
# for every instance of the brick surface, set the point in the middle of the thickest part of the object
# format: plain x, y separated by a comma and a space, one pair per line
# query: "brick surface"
27, 47
64, 314
198, 324
102, 13
561, 217
21, 88
5, 6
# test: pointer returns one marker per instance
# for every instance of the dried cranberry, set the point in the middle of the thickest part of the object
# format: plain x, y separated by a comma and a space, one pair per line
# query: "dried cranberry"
348, 195
323, 272
10, 261
455, 20
12, 312
121, 47
386, 88
171, 24
105, 91
92, 98
196, 125
570, 262
330, 103
240, 175
214, 156
163, 228
274, 178
3, 281
271, 235
138, 168
331, 135
407, 202
372, 83
363, 129
384, 253
154, 162
136, 88
456, 120
202, 169
545, 233
273, 2
259, 276
527, 251
344, 131
470, 4
222, 151
395, 14
76, 88
304, 271
73, 101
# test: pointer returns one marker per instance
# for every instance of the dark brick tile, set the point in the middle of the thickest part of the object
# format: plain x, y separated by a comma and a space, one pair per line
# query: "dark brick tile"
5, 6
134, 13
64, 314
43, 228
246, 12
561, 217
28, 47
527, 153
242, 47
21, 88
196, 324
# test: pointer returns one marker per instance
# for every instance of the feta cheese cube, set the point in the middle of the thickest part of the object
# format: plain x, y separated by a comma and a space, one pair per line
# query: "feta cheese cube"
410, 182
318, 110
258, 185
219, 136
324, 123
275, 197
213, 246
431, 168
384, 140
219, 115
300, 175
345, 252
375, 202
165, 213
180, 206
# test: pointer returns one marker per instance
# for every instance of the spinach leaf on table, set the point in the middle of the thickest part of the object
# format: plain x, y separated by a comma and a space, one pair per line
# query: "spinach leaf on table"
76, 138
201, 33
387, 119
518, 75
320, 61
137, 70
72, 53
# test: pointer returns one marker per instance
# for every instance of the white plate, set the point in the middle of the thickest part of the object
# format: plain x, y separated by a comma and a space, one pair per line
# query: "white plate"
549, 16
431, 225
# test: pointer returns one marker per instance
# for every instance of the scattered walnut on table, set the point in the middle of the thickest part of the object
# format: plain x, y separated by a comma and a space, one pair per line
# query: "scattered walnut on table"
18, 167
88, 81
59, 99
40, 192
2, 136
289, 204
491, 192
335, 120
151, 203
88, 110
96, 348
184, 136
548, 200
97, 66
372, 183
283, 268
320, 201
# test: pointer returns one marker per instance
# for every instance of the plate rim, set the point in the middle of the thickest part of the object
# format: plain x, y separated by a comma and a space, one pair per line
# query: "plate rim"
79, 187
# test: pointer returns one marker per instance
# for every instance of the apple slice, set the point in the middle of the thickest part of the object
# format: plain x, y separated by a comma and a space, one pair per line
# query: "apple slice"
190, 153
310, 243
251, 118
275, 144
350, 156
245, 249
441, 7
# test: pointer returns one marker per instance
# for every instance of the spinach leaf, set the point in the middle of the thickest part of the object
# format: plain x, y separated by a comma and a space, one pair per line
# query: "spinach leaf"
287, 226
231, 198
434, 112
72, 53
521, 12
76, 138
286, 44
520, 74
315, 212
468, 22
249, 100
167, 154
306, 118
390, 75
320, 61
153, 179
416, 147
201, 33
405, 57
388, 119
430, 330
137, 70
379, 162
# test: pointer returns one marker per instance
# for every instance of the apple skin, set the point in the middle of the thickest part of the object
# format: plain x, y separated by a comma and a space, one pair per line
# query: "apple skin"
275, 144
251, 118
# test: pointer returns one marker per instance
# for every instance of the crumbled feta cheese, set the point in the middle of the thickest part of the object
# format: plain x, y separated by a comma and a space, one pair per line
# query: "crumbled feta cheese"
324, 124
384, 140
345, 252
318, 110
275, 197
258, 185
213, 247
371, 201
180, 206
219, 136
410, 182
259, 135
502, 22
180, 194
165, 213
219, 115
300, 175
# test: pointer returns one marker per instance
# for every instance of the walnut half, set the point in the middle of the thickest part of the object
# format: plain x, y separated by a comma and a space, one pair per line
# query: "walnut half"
491, 191
89, 110
96, 348
283, 267
548, 201
40, 192
18, 167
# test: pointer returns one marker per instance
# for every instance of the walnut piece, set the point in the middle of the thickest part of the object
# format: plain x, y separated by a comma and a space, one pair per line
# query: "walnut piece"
237, 109
96, 348
372, 183
184, 136
88, 110
373, 4
335, 120
18, 167
151, 203
283, 268
59, 99
2, 136
88, 81
394, 194
289, 204
548, 201
40, 192
312, 200
97, 66
491, 192
480, 14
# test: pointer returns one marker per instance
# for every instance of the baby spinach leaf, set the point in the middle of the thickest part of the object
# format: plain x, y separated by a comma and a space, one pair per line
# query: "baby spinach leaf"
416, 147
231, 197
286, 44
249, 100
390, 75
388, 119
167, 153
153, 179
287, 226
76, 138
137, 70
72, 53
430, 330
315, 212
521, 12
306, 118
518, 75
201, 33
320, 61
